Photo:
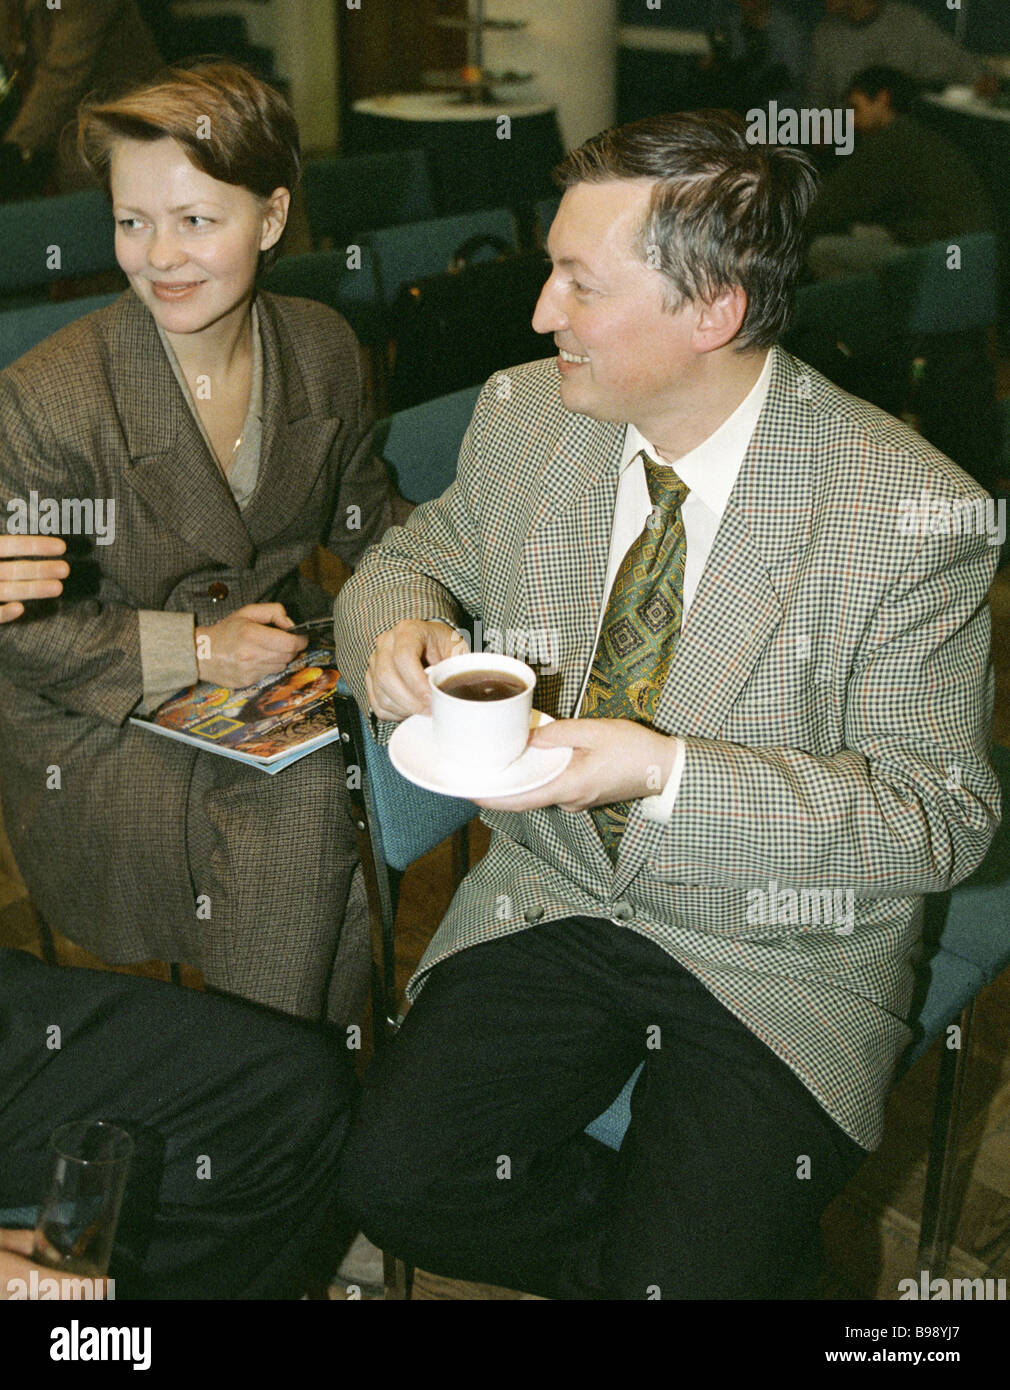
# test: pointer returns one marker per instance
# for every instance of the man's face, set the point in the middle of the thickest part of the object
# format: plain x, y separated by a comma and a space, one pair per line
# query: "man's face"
622, 355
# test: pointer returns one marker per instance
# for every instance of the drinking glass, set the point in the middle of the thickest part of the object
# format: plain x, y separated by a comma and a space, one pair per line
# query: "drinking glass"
90, 1161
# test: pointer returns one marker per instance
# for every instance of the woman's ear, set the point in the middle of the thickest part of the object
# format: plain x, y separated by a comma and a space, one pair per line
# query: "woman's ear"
275, 216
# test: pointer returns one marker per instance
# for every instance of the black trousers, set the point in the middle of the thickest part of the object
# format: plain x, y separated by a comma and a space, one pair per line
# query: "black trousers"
467, 1157
237, 1116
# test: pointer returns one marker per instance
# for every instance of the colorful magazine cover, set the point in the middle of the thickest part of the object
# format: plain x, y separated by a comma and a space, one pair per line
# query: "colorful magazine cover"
269, 725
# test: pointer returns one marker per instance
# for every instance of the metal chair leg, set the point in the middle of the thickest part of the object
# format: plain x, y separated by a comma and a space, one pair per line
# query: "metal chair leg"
46, 941
940, 1206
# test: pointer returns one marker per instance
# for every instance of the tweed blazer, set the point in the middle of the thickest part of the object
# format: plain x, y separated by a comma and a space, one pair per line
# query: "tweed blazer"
831, 682
96, 412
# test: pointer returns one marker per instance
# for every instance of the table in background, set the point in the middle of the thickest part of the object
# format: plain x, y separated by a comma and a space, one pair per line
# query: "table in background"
470, 166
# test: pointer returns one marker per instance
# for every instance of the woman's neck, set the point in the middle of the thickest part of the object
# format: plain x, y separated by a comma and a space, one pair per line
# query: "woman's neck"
218, 350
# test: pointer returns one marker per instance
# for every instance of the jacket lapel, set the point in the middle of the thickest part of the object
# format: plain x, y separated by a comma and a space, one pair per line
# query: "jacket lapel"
171, 467
296, 442
574, 519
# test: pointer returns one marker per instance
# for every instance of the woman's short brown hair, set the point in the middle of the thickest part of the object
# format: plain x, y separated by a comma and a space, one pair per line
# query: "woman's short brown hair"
232, 126
724, 212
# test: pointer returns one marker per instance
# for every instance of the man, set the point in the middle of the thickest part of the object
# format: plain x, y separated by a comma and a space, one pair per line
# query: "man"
904, 185
760, 55
857, 34
775, 691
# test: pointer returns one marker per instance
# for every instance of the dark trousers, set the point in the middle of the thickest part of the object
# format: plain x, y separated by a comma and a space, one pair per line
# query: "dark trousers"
237, 1116
467, 1157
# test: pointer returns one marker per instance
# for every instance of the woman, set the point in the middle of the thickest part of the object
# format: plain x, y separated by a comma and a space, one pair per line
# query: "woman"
221, 434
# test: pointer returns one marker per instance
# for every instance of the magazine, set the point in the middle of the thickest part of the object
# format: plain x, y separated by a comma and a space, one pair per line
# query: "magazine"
269, 725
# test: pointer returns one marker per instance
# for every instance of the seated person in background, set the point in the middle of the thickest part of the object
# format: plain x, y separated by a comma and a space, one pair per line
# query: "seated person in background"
22, 578
759, 55
56, 55
903, 184
857, 34
766, 684
231, 432
237, 1117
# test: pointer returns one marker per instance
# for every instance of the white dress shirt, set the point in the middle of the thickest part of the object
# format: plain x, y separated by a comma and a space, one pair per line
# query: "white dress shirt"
709, 471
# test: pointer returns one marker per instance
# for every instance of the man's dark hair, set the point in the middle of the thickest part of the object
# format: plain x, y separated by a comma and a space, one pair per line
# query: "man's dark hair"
724, 212
872, 81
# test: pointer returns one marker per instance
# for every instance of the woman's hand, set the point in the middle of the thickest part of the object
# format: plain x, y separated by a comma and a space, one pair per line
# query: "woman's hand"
247, 645
22, 579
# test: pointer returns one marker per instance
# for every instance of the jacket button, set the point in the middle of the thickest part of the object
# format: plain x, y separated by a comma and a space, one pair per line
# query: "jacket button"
623, 912
533, 914
217, 591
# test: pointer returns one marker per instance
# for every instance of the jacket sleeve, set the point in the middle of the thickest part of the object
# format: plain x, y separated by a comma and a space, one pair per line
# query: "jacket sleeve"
911, 803
80, 653
428, 568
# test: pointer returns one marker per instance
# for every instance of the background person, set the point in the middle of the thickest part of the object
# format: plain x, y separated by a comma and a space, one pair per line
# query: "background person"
60, 54
857, 34
232, 429
903, 184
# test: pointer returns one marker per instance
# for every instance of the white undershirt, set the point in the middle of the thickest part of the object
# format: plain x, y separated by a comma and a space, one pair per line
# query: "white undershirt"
710, 472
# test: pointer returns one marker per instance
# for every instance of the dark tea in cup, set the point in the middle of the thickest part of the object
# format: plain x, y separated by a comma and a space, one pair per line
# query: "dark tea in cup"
482, 685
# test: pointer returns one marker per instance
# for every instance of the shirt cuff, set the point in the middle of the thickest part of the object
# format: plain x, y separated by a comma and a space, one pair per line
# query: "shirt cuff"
167, 656
660, 807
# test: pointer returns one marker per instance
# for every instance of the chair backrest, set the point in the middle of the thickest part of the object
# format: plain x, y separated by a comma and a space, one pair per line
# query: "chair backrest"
47, 239
408, 253
361, 192
929, 294
421, 445
851, 310
345, 283
21, 329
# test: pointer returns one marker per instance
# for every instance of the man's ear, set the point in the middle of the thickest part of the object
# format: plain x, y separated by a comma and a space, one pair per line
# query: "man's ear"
719, 322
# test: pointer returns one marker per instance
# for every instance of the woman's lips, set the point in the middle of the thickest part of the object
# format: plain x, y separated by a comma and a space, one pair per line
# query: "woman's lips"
167, 290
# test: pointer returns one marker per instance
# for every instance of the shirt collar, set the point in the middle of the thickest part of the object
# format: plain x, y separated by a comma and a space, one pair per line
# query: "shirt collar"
711, 469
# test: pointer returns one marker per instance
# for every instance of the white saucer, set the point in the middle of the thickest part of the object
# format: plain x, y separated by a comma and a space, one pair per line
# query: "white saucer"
412, 753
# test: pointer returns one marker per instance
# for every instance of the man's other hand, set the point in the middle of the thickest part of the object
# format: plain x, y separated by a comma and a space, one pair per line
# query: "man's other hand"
396, 683
16, 1268
614, 760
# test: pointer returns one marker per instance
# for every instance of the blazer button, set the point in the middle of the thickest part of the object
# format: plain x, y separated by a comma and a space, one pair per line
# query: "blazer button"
217, 591
533, 914
623, 912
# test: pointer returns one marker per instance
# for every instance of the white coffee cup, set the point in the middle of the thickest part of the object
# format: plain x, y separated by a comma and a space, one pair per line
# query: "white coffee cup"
485, 735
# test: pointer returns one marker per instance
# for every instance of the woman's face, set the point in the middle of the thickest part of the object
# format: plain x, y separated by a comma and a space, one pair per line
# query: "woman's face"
188, 243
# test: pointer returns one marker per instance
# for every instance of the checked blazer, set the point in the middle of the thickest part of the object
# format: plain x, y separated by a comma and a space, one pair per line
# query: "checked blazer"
831, 682
140, 827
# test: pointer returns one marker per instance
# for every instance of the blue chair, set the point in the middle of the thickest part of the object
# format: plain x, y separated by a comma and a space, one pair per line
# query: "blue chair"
926, 296
74, 229
21, 329
407, 253
421, 445
358, 193
327, 277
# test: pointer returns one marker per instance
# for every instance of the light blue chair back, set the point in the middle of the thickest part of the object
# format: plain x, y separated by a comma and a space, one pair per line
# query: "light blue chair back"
358, 193
326, 276
926, 295
421, 445
404, 254
75, 229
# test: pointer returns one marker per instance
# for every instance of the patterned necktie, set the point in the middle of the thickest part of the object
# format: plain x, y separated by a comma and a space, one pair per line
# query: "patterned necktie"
640, 628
